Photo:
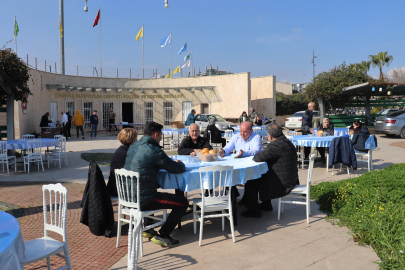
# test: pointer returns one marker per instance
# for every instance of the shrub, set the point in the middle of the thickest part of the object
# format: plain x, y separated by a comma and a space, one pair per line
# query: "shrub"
289, 104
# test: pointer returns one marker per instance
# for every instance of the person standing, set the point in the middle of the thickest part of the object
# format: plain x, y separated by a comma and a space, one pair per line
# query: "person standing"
64, 124
44, 120
94, 124
78, 121
191, 118
69, 125
112, 119
307, 129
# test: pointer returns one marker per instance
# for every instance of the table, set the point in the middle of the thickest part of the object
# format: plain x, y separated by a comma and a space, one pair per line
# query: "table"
338, 131
20, 144
312, 141
11, 243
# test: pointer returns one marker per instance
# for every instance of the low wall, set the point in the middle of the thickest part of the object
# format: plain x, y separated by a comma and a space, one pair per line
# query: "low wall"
280, 119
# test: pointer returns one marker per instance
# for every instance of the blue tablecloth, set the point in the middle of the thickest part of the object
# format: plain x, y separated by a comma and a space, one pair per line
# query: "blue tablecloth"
338, 131
261, 133
175, 131
11, 243
244, 169
20, 144
305, 140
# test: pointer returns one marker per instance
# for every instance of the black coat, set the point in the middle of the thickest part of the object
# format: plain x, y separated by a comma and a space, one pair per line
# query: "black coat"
187, 146
215, 134
330, 130
360, 138
117, 162
282, 176
44, 121
97, 210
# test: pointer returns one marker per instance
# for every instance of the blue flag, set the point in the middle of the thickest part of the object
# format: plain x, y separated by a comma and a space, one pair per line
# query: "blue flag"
165, 41
183, 49
187, 57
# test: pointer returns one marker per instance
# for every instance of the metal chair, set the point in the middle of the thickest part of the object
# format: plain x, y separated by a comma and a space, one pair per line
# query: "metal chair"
33, 154
134, 237
5, 159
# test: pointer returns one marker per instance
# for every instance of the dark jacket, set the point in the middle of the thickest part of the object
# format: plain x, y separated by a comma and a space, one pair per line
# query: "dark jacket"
330, 130
307, 121
215, 134
359, 139
97, 210
94, 119
147, 157
190, 119
240, 120
187, 146
282, 176
117, 162
44, 121
341, 151
258, 123
253, 116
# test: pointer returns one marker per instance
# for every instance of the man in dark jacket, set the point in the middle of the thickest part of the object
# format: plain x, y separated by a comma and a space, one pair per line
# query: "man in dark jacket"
308, 129
44, 120
147, 157
193, 143
94, 124
280, 179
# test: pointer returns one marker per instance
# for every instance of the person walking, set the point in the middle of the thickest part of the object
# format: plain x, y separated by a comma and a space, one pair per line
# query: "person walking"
94, 124
78, 121
112, 120
64, 123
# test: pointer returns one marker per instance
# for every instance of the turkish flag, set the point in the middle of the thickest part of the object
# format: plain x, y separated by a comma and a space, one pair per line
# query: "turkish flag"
97, 18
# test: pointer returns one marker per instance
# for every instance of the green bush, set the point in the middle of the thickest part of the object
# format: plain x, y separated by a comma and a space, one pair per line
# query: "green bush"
289, 104
373, 207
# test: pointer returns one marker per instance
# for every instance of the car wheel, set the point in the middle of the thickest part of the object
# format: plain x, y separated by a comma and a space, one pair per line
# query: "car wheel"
390, 135
403, 133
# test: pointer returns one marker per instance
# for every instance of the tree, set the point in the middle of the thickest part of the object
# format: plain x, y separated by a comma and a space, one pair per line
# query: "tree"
15, 75
364, 66
380, 60
329, 85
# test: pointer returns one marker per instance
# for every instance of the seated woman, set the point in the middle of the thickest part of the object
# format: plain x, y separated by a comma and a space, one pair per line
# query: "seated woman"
258, 122
327, 127
193, 143
243, 118
127, 137
360, 136
215, 133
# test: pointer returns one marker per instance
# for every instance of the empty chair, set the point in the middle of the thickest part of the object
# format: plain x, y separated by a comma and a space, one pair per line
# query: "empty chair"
46, 246
216, 180
5, 159
134, 236
51, 150
33, 154
295, 195
58, 153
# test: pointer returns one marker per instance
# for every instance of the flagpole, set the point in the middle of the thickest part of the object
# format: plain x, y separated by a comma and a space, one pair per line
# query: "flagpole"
143, 53
186, 58
101, 69
15, 20
171, 53
191, 56
62, 39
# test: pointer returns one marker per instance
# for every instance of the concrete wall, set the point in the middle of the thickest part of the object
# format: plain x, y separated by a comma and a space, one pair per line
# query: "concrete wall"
263, 95
284, 88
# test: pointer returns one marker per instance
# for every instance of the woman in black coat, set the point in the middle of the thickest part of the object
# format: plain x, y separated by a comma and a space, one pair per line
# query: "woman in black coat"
127, 137
215, 133
258, 122
360, 136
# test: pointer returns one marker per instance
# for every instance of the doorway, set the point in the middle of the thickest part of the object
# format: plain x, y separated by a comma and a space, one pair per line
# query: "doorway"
186, 109
204, 108
127, 112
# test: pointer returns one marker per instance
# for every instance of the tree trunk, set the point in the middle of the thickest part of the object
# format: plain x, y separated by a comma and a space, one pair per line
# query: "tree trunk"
381, 74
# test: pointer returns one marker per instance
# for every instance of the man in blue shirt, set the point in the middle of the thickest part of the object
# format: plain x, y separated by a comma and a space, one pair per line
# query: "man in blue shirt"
191, 118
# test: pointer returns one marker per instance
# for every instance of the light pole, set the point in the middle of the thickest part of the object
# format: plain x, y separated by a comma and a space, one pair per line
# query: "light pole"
85, 6
62, 39
313, 62
166, 3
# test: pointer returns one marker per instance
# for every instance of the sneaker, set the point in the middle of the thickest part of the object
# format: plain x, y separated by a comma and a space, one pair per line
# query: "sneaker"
149, 233
83, 138
165, 241
252, 213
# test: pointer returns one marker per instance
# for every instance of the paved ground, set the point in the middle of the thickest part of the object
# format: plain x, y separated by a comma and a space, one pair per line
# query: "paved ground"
264, 243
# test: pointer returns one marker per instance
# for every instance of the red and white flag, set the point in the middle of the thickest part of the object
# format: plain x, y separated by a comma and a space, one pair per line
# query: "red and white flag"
97, 18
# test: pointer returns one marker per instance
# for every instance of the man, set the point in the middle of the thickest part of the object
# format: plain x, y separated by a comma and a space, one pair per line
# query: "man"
112, 119
78, 121
94, 124
64, 124
253, 114
279, 180
44, 120
191, 118
193, 143
307, 128
147, 157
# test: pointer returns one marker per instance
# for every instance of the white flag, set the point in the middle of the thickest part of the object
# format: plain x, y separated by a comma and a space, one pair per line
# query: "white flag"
186, 64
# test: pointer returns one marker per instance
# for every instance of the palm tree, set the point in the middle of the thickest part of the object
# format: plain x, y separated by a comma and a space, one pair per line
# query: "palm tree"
380, 60
364, 66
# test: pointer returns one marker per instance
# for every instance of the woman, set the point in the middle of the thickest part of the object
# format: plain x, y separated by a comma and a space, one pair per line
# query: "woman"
360, 136
327, 127
127, 137
258, 122
243, 118
215, 133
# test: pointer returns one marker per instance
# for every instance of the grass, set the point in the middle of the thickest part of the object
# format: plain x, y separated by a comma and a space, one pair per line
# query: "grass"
372, 206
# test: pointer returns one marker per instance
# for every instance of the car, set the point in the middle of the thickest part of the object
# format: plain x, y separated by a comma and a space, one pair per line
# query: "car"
392, 124
387, 111
295, 120
203, 119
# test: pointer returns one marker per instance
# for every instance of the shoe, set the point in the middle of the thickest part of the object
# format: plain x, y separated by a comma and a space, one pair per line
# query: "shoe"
95, 138
252, 213
149, 233
91, 138
165, 241
242, 201
83, 138
266, 206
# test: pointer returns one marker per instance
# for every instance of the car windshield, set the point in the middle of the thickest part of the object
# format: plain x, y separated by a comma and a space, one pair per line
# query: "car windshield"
297, 114
217, 117
397, 113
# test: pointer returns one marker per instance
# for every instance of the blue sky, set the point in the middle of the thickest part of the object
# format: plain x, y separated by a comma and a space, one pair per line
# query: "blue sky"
260, 36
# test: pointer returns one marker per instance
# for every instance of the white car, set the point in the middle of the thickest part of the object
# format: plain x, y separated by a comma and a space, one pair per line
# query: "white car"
295, 120
203, 119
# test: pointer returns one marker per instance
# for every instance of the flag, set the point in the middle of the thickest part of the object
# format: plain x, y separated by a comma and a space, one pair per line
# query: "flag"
60, 29
183, 49
169, 75
187, 57
176, 70
186, 64
97, 18
140, 34
16, 30
165, 41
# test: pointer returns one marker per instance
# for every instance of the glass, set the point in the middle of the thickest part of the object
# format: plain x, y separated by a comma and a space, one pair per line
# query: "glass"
174, 157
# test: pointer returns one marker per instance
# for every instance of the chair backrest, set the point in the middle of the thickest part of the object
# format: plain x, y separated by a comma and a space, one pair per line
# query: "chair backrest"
128, 187
34, 147
57, 136
3, 148
228, 133
28, 137
216, 178
135, 219
209, 136
62, 144
56, 221
310, 169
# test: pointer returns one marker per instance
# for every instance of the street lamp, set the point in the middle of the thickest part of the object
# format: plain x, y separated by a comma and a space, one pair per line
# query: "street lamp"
313, 62
166, 3
85, 6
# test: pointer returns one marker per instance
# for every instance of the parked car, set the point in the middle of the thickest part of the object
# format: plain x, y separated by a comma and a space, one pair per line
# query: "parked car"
203, 119
392, 124
387, 111
295, 120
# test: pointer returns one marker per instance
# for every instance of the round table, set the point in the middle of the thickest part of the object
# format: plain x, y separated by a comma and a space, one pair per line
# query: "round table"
312, 141
11, 243
338, 131
20, 144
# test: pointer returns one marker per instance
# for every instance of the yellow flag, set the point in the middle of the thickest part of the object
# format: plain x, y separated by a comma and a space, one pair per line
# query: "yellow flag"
140, 34
176, 70
169, 75
60, 29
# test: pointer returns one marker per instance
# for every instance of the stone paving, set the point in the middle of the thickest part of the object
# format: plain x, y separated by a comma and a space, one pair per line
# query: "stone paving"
264, 243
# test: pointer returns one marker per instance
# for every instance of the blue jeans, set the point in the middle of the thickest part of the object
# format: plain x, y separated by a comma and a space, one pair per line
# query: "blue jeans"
93, 128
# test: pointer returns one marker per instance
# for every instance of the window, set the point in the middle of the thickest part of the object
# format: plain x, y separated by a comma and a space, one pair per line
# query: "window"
397, 113
149, 108
167, 113
186, 109
87, 112
70, 108
106, 113
53, 111
203, 118
298, 114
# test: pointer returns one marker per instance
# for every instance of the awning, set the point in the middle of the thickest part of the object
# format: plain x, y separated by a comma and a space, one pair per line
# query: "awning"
380, 89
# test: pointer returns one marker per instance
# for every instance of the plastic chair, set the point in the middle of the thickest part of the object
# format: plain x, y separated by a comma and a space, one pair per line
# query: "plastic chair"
298, 191
46, 246
28, 137
58, 153
128, 198
134, 236
300, 155
33, 154
217, 199
369, 154
5, 159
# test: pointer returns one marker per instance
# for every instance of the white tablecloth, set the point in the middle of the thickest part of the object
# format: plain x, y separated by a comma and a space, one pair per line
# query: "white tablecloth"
305, 140
11, 243
179, 131
244, 169
338, 131
20, 144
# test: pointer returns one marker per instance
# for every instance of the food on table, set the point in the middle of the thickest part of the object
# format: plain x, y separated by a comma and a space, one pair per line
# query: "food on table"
213, 151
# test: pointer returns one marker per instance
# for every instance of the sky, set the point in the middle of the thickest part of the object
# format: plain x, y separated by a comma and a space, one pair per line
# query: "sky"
263, 37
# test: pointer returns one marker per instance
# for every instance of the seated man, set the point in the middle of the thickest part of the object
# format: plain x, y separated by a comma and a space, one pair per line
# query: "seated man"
215, 133
279, 180
147, 157
193, 143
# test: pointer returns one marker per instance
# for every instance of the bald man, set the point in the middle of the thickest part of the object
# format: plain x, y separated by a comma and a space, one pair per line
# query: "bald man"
307, 129
193, 143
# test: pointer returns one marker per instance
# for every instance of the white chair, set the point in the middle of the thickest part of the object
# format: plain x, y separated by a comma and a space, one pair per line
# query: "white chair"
33, 154
58, 153
218, 199
134, 237
28, 137
46, 246
5, 159
128, 197
368, 158
300, 155
298, 191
